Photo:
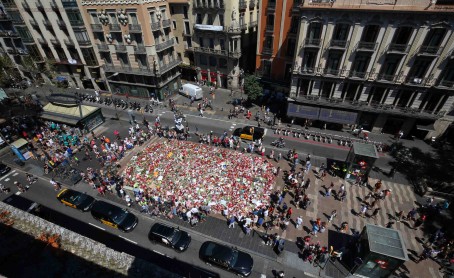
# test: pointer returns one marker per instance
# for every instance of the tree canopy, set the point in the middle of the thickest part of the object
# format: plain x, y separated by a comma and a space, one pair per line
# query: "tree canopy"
252, 87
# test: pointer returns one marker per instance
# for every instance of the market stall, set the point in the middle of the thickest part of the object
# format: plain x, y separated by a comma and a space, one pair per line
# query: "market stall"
82, 116
360, 161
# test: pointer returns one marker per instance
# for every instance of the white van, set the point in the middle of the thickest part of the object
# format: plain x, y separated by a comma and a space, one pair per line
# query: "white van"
190, 90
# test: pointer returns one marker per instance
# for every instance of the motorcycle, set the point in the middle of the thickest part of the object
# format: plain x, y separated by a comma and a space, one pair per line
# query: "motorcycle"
278, 143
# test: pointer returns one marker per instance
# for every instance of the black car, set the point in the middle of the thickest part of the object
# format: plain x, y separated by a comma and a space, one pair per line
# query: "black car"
114, 216
249, 133
75, 199
226, 257
169, 236
4, 169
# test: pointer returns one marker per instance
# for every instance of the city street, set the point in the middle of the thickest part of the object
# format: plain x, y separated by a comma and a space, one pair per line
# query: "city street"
265, 260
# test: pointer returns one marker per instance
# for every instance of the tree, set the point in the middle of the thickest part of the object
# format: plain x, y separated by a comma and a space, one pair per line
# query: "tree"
5, 73
252, 87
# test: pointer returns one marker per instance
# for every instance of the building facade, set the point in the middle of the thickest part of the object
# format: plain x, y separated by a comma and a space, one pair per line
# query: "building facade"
55, 31
12, 50
135, 44
277, 38
383, 65
222, 40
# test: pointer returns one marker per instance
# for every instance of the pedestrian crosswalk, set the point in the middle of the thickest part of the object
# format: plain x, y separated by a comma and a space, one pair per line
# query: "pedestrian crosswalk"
232, 127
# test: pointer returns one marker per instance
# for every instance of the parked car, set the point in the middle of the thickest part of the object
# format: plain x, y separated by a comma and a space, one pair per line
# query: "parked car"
250, 133
114, 216
4, 169
227, 258
169, 236
76, 199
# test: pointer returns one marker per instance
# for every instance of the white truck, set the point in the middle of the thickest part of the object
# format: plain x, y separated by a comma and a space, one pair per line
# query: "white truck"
189, 91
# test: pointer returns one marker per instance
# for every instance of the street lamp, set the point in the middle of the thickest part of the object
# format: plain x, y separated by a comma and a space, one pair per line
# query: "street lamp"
112, 75
107, 81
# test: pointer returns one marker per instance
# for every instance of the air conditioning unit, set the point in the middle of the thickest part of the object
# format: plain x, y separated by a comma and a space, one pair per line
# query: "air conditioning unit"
417, 80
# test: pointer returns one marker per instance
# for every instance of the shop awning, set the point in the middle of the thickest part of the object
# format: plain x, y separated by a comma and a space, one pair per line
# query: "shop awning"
337, 116
303, 111
67, 115
426, 127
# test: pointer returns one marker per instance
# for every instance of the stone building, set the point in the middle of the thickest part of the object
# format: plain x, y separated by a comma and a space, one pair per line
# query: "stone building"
385, 65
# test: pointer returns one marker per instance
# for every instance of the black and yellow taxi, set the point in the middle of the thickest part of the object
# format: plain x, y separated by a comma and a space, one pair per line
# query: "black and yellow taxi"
75, 199
114, 216
249, 133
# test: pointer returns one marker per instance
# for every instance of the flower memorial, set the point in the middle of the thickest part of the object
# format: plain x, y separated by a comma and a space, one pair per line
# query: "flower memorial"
200, 175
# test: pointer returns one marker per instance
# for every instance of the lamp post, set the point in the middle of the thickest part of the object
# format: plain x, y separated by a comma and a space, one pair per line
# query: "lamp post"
107, 81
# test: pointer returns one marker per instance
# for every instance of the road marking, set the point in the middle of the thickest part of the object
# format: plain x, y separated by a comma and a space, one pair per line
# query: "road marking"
159, 252
128, 239
15, 174
8, 179
18, 193
96, 226
10, 173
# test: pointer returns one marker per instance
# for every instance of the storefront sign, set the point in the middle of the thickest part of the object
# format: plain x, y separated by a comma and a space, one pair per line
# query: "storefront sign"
303, 111
337, 116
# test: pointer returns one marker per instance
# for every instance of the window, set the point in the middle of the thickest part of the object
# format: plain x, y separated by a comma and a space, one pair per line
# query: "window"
270, 20
172, 10
390, 65
435, 37
174, 24
221, 20
294, 25
341, 32
334, 60
189, 41
34, 52
211, 43
213, 61
266, 68
210, 19
309, 61
81, 36
187, 29
24, 33
89, 56
223, 63
315, 30
361, 63
419, 68
94, 18
269, 42
199, 19
105, 56
402, 35
176, 40
290, 47
185, 12
113, 18
74, 16
203, 60
370, 33
133, 18
222, 44
201, 42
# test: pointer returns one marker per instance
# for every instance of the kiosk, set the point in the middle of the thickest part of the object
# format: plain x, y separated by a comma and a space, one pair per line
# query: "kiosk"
380, 252
360, 161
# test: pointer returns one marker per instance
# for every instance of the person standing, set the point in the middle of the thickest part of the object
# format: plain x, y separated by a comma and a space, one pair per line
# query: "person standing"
299, 222
362, 210
232, 222
375, 213
332, 216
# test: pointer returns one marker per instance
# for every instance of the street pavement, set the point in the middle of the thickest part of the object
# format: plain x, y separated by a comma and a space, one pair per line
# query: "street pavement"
402, 198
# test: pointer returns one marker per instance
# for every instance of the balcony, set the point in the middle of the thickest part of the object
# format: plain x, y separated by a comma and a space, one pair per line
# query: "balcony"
333, 72
18, 21
155, 26
4, 17
386, 77
338, 44
128, 69
251, 4
69, 42
235, 54
26, 6
308, 70
446, 83
166, 67
312, 43
242, 5
366, 46
121, 48
211, 51
114, 27
135, 28
395, 48
39, 5
166, 23
61, 23
140, 49
84, 42
9, 5
53, 5
269, 28
213, 4
103, 47
97, 27
321, 3
364, 106
425, 50
415, 81
77, 23
28, 40
55, 41
359, 75
252, 24
47, 23
267, 51
162, 46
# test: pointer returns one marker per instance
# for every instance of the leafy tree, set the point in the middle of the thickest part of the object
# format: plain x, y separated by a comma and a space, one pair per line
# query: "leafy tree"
252, 87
